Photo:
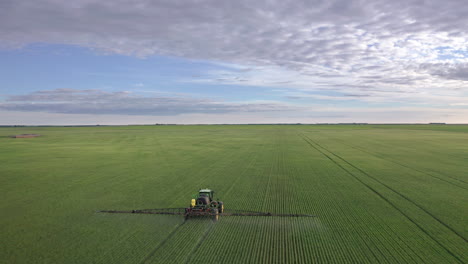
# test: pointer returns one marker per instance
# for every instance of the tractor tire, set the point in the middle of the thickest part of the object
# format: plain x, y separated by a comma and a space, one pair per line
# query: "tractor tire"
215, 215
221, 207
203, 200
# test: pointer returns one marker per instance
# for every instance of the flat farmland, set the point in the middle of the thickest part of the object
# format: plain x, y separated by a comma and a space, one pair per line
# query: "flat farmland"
380, 194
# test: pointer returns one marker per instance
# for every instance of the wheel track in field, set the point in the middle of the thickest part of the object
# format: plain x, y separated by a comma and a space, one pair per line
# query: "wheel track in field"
254, 156
198, 245
384, 198
178, 227
366, 246
314, 145
210, 168
213, 164
181, 190
352, 255
173, 232
270, 175
252, 162
406, 166
395, 191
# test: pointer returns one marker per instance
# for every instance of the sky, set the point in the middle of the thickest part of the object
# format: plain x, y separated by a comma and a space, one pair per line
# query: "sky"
88, 62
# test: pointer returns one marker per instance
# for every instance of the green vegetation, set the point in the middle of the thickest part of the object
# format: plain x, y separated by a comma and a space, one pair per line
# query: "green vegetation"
388, 194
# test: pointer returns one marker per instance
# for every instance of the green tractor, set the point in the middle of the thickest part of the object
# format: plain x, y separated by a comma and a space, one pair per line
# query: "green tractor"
204, 204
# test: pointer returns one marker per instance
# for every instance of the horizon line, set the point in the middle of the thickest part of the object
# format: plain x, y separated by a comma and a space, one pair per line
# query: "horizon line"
220, 124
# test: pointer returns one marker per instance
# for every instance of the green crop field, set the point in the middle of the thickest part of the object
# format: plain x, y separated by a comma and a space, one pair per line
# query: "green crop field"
381, 194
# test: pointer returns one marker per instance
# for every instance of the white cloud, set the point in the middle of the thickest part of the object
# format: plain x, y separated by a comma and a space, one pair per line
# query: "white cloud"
404, 51
339, 34
72, 101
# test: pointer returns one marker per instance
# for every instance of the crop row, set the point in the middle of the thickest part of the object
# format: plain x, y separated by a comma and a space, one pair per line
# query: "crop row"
372, 201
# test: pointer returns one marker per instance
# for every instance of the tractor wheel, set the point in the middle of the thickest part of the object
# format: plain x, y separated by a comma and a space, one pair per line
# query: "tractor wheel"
203, 201
221, 207
215, 215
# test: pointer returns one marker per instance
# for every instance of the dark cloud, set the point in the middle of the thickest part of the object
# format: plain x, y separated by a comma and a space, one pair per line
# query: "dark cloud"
447, 70
292, 97
71, 101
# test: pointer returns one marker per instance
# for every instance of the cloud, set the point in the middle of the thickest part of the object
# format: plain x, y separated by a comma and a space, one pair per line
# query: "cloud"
72, 101
338, 33
406, 51
447, 70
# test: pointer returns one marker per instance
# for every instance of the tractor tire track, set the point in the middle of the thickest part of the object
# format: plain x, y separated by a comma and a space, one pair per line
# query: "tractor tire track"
210, 168
173, 232
367, 247
250, 165
395, 191
406, 166
198, 245
270, 175
311, 143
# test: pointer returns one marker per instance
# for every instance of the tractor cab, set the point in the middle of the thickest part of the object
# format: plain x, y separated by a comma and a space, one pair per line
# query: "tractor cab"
206, 193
